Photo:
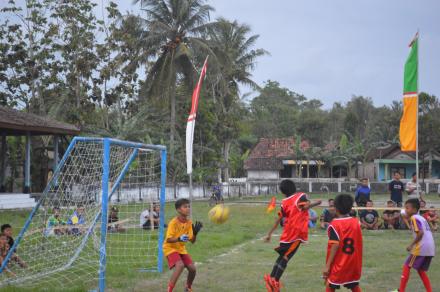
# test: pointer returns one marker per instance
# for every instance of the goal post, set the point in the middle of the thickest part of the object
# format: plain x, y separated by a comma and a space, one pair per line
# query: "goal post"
91, 217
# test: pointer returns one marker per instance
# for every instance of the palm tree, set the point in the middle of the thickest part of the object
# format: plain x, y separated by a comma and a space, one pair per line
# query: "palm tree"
235, 59
172, 38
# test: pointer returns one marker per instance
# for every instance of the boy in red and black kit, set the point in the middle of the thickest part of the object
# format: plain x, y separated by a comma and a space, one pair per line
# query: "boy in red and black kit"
344, 252
294, 217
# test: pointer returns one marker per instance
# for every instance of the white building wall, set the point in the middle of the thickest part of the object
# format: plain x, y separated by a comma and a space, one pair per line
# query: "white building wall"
263, 174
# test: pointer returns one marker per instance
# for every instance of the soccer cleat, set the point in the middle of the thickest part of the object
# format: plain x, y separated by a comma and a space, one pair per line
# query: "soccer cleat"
277, 286
188, 289
269, 283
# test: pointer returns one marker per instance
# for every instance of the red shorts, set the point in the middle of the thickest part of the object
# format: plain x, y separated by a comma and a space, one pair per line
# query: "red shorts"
176, 257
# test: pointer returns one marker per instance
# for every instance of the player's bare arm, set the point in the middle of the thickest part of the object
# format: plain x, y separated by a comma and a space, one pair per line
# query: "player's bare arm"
308, 205
172, 240
333, 250
274, 227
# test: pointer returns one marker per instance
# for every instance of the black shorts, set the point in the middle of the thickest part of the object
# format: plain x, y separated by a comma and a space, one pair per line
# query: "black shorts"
348, 286
288, 249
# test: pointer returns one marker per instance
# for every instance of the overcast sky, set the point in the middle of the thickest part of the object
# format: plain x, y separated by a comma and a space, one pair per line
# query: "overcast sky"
330, 50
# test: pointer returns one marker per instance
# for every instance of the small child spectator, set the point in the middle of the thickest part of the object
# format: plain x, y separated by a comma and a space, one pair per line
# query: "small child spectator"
6, 229
362, 194
369, 217
53, 224
391, 217
313, 218
328, 214
76, 219
432, 217
112, 218
422, 207
4, 250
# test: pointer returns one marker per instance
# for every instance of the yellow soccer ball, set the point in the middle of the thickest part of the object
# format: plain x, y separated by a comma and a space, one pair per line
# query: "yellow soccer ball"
219, 214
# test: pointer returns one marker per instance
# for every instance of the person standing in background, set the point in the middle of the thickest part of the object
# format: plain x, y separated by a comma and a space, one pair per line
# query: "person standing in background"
396, 188
411, 188
363, 192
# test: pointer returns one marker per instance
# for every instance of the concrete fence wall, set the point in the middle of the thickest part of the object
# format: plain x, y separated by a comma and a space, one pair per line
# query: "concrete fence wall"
252, 188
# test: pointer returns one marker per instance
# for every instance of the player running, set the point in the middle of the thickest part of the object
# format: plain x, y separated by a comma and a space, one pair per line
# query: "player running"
344, 252
422, 248
294, 216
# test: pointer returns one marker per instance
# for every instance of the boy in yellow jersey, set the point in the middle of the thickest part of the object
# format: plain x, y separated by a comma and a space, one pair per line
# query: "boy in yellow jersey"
180, 231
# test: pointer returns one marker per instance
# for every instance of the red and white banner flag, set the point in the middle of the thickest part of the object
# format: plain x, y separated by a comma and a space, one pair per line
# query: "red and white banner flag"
192, 119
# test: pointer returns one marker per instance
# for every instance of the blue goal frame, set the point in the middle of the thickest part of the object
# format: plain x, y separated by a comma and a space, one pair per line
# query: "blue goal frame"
106, 196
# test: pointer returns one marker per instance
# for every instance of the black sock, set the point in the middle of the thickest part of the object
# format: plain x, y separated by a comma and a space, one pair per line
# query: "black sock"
278, 268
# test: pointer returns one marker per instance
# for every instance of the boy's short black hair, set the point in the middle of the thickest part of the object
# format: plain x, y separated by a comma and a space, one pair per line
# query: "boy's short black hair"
415, 203
4, 227
329, 200
414, 174
364, 178
369, 201
344, 203
287, 187
180, 202
397, 172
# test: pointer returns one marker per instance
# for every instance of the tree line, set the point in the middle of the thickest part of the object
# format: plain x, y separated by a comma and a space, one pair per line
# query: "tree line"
131, 76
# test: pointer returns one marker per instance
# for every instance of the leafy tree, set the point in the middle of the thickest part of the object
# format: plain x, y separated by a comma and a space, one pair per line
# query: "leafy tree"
429, 123
236, 58
172, 36
275, 111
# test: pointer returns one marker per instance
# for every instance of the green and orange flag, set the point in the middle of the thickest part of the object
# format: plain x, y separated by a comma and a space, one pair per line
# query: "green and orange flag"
408, 122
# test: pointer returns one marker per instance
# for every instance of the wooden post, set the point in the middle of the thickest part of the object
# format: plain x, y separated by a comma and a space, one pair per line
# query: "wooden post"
27, 165
3, 165
56, 156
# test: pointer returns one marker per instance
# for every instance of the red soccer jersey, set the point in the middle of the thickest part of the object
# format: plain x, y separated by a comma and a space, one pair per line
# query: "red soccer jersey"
296, 220
347, 265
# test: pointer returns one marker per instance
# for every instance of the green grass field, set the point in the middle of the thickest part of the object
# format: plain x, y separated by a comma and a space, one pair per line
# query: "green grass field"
232, 256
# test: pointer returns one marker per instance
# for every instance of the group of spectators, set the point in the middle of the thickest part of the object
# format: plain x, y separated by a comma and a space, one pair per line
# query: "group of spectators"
390, 218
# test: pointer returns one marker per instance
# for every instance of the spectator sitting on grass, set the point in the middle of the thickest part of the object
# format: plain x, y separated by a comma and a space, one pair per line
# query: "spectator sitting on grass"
76, 219
313, 218
432, 217
328, 214
4, 250
391, 217
53, 224
112, 219
362, 194
148, 215
369, 217
6, 229
422, 207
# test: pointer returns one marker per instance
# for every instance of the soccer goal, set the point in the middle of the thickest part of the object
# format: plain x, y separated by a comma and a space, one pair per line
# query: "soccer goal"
100, 216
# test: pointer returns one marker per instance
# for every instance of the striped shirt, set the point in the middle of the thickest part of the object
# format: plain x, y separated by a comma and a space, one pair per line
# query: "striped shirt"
426, 246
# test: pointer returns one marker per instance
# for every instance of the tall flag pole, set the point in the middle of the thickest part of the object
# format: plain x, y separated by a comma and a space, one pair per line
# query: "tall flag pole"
190, 127
409, 123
